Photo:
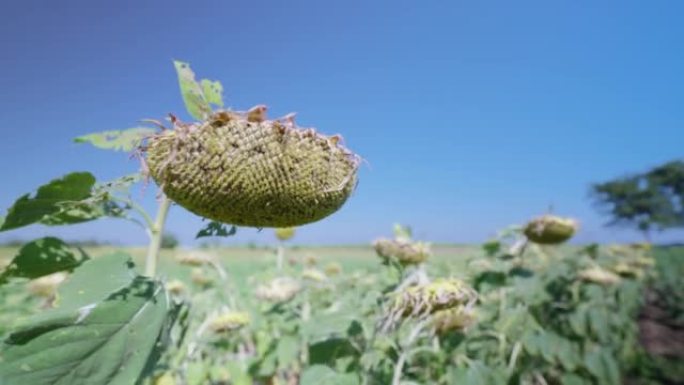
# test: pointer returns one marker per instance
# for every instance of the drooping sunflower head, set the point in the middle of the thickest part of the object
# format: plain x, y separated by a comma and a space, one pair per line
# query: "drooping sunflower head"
278, 290
597, 274
176, 287
423, 300
243, 169
193, 258
458, 318
333, 268
405, 252
284, 233
314, 275
229, 321
550, 229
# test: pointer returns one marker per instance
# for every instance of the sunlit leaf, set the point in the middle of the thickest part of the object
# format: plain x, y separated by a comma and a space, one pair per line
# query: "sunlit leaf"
193, 95
99, 204
213, 91
602, 365
287, 351
117, 140
96, 279
42, 257
107, 342
28, 210
238, 376
196, 373
573, 379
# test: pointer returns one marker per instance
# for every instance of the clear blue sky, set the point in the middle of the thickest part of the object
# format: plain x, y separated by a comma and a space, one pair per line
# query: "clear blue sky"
473, 115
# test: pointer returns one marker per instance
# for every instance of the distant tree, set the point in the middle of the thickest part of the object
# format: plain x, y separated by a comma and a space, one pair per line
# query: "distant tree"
648, 201
169, 241
669, 179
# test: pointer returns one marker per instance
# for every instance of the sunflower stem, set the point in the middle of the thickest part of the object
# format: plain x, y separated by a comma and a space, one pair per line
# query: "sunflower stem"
156, 232
399, 366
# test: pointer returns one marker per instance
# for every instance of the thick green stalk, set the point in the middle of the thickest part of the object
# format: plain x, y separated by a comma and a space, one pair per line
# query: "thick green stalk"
399, 366
156, 233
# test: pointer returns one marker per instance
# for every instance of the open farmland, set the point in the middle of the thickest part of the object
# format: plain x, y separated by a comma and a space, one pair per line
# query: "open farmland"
535, 320
416, 121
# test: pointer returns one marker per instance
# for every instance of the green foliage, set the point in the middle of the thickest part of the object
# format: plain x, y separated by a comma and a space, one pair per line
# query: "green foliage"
105, 330
45, 206
669, 286
198, 96
74, 198
42, 257
117, 140
216, 229
323, 375
669, 177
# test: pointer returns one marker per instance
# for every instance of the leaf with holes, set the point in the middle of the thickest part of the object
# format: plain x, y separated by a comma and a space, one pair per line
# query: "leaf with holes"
117, 140
213, 91
107, 342
216, 229
42, 257
28, 210
193, 94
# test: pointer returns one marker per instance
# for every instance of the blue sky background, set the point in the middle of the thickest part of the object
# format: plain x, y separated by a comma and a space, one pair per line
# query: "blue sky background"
472, 115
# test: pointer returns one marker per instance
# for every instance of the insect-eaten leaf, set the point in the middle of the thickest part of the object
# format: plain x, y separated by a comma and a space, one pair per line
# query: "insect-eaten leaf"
117, 140
74, 198
197, 96
107, 342
107, 329
213, 91
42, 257
27, 210
216, 229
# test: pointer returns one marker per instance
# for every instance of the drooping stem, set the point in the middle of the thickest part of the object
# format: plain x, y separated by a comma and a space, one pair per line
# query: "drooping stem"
399, 366
156, 233
417, 277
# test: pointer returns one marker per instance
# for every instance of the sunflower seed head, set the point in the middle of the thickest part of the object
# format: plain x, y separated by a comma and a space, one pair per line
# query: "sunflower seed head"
200, 277
284, 233
550, 229
459, 318
333, 268
314, 275
246, 170
599, 275
229, 321
278, 290
423, 300
176, 287
405, 252
194, 258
